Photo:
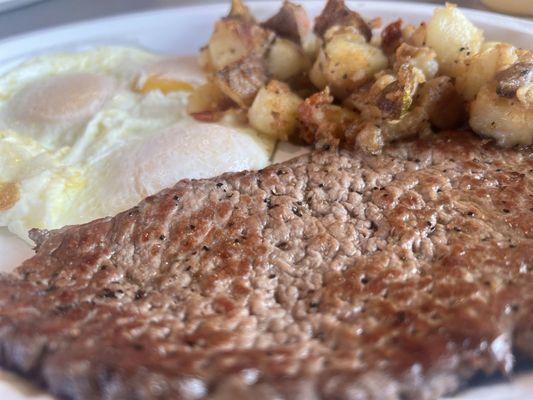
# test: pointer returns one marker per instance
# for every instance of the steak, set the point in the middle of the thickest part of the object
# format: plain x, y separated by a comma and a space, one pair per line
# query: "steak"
335, 275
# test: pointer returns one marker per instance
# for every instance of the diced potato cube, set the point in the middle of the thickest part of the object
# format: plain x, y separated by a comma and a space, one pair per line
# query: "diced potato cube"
207, 97
286, 59
242, 80
506, 120
241, 11
204, 59
235, 39
423, 58
347, 62
481, 68
316, 75
453, 37
274, 110
291, 22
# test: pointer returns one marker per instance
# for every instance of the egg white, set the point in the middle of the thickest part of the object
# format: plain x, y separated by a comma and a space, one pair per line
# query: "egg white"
134, 145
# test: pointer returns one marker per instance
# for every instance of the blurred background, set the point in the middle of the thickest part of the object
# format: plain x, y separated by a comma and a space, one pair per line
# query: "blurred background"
19, 16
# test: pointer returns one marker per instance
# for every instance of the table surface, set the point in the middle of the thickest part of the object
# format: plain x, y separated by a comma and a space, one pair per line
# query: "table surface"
49, 13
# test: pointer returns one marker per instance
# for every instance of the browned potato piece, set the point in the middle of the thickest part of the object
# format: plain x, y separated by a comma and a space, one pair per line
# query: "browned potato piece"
291, 22
234, 39
241, 11
481, 68
423, 58
346, 61
414, 123
370, 138
207, 97
507, 120
204, 60
242, 80
396, 98
524, 55
315, 74
390, 109
321, 121
286, 59
335, 13
444, 106
415, 36
391, 37
274, 110
513, 78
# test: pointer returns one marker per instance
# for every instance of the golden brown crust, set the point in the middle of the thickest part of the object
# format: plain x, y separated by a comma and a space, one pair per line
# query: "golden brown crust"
9, 195
291, 22
445, 107
336, 13
391, 37
511, 79
241, 80
321, 122
241, 11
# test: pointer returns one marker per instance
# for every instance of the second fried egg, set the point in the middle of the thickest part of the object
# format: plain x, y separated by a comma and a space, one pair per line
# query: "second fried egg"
89, 134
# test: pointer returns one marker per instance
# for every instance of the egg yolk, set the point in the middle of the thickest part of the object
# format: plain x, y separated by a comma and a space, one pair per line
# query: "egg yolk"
63, 98
165, 85
169, 75
9, 195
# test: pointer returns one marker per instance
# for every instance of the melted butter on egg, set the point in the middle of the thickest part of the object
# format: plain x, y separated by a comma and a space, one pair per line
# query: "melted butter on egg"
9, 195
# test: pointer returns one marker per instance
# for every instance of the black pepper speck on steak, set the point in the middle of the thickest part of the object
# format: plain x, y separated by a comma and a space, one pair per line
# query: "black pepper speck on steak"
331, 276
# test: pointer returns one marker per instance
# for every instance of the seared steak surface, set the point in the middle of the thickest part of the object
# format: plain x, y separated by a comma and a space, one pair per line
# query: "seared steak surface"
331, 276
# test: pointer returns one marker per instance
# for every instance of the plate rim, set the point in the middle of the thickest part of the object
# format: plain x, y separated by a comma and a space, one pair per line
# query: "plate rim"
379, 4
497, 19
11, 5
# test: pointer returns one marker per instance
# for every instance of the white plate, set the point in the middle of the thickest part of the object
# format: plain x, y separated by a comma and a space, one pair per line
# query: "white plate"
183, 31
6, 5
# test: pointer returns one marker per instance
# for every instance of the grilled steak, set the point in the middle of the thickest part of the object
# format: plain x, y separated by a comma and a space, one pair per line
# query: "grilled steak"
332, 276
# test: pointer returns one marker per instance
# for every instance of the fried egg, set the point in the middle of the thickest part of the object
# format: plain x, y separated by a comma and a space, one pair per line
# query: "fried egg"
89, 134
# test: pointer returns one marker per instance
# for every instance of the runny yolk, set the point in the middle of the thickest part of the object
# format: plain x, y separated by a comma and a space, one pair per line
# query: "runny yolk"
165, 85
9, 195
